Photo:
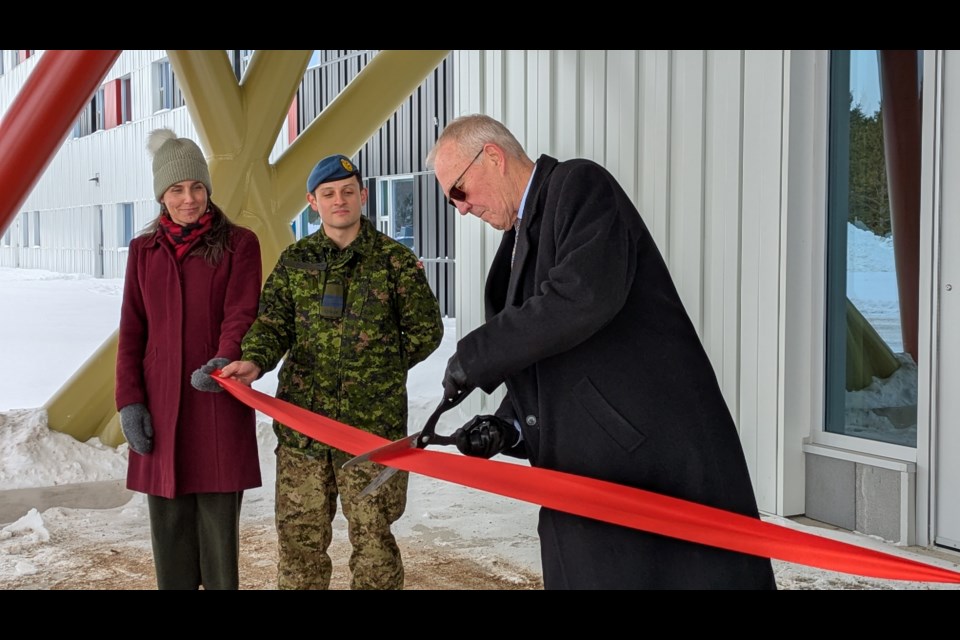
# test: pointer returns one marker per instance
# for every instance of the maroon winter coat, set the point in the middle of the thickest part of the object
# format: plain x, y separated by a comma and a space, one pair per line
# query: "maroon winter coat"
174, 318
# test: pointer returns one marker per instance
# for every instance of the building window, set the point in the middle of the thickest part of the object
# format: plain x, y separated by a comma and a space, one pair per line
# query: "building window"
394, 208
166, 93
307, 222
25, 229
126, 100
116, 102
36, 228
125, 223
3, 55
98, 109
92, 118
5, 239
239, 60
871, 377
82, 127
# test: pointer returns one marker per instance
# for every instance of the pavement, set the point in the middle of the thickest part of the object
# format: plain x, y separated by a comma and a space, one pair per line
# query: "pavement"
16, 503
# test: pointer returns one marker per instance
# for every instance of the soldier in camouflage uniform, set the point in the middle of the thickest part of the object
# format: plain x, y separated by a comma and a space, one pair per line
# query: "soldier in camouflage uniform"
352, 311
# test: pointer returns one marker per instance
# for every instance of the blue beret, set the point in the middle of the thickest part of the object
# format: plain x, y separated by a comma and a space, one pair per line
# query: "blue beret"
336, 167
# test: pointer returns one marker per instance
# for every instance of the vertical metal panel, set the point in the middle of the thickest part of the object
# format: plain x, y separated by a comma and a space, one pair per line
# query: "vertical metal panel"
593, 116
686, 189
471, 240
802, 300
760, 274
941, 198
566, 101
695, 138
655, 152
622, 118
494, 78
722, 225
540, 121
515, 67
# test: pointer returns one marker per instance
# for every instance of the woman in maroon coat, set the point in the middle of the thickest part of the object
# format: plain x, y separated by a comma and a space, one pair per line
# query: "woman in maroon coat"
191, 291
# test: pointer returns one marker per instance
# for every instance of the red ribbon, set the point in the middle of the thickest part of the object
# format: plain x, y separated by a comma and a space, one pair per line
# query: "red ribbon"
606, 501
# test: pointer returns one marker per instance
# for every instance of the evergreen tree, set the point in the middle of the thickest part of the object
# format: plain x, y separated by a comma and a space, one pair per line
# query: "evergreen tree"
869, 200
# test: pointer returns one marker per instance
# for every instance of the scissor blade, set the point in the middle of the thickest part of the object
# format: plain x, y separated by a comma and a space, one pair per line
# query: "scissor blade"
397, 445
419, 439
382, 477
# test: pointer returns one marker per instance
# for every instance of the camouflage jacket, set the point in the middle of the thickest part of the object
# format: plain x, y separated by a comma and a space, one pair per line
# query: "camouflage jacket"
351, 368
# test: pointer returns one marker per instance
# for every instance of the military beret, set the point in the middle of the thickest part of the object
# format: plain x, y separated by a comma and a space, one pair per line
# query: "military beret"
335, 167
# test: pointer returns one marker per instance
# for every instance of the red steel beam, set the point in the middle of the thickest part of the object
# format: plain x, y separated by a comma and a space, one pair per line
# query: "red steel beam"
40, 117
902, 128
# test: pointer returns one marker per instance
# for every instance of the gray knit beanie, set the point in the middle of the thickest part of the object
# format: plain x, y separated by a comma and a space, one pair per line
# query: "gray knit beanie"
175, 160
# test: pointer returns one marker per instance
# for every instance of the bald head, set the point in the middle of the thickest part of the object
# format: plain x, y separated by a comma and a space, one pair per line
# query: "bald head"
471, 132
482, 169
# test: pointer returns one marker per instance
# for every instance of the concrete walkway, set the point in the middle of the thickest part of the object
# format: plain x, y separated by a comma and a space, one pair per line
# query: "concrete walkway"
16, 503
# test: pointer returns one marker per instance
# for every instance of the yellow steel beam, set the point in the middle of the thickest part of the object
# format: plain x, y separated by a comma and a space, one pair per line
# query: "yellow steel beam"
355, 114
209, 87
238, 124
84, 405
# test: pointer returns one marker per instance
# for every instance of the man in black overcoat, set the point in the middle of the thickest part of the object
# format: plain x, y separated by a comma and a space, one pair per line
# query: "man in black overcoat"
605, 374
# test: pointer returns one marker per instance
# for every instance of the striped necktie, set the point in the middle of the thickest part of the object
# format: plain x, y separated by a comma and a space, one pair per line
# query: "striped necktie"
516, 234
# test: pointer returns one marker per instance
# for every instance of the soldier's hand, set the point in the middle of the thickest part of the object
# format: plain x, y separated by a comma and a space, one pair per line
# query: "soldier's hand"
486, 436
242, 371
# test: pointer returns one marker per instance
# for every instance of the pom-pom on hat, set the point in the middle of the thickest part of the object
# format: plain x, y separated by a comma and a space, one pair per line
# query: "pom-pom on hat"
175, 160
335, 167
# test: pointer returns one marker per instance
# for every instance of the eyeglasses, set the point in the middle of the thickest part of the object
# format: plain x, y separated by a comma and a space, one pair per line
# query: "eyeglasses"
456, 193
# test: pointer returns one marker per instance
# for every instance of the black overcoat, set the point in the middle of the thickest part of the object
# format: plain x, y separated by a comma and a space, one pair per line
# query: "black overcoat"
608, 378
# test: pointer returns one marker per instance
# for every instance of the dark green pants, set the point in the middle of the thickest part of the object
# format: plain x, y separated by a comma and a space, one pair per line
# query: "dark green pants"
196, 540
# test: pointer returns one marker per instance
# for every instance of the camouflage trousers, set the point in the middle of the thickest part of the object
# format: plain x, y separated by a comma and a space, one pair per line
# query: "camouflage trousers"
306, 504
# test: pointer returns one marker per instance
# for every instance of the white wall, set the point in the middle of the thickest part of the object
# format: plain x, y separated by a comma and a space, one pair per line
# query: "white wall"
723, 152
699, 140
67, 196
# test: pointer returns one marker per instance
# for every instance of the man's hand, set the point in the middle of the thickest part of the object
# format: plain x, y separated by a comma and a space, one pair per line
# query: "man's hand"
486, 436
454, 379
242, 371
201, 380
137, 427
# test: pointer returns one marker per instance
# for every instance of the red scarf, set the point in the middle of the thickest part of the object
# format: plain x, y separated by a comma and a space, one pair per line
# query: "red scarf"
183, 237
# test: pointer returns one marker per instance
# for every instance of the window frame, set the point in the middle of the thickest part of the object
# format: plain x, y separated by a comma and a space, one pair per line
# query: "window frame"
385, 210
818, 432
126, 224
25, 229
166, 92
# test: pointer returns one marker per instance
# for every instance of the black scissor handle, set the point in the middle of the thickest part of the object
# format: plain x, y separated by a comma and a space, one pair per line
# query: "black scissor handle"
428, 435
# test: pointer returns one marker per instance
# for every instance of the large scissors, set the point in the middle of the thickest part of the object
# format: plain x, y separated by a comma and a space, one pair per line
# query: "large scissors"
417, 440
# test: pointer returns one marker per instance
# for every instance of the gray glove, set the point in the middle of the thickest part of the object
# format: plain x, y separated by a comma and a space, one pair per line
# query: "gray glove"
201, 380
137, 427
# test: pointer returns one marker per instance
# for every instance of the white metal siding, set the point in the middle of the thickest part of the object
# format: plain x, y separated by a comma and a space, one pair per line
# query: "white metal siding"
803, 276
941, 197
759, 217
105, 168
696, 138
14, 77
